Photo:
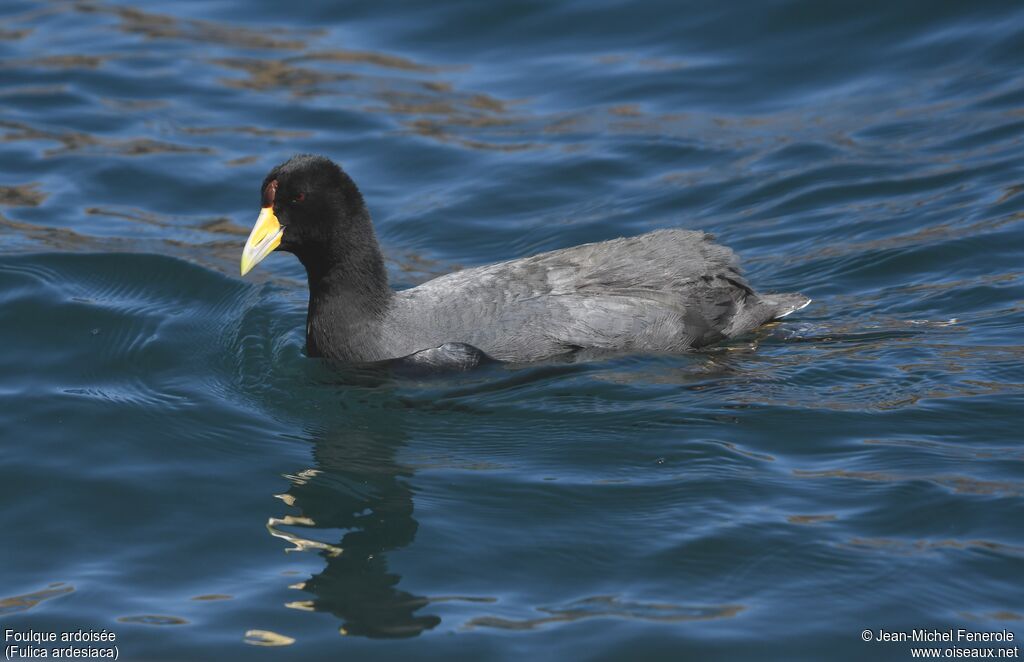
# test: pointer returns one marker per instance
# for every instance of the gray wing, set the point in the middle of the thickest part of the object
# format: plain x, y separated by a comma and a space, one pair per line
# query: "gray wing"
662, 291
447, 357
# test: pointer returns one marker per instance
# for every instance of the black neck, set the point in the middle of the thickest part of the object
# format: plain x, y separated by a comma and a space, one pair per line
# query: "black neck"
348, 298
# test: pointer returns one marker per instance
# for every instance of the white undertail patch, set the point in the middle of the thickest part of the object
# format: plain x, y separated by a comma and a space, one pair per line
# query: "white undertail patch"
796, 308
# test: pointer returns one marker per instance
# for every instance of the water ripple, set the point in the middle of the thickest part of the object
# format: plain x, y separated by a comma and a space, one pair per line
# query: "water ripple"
166, 441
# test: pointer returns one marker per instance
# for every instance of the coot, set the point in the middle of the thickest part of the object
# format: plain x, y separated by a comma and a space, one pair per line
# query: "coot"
664, 291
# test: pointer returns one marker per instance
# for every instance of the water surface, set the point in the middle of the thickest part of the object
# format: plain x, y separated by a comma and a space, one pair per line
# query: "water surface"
175, 470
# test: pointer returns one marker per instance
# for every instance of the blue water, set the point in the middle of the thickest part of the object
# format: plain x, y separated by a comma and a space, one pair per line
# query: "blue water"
176, 471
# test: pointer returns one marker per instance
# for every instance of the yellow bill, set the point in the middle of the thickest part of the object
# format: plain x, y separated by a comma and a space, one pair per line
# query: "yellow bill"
264, 238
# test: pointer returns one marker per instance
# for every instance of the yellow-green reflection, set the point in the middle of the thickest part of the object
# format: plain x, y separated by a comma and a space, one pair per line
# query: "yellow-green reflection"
356, 486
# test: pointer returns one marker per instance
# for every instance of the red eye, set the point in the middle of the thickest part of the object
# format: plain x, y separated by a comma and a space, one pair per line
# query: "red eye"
299, 197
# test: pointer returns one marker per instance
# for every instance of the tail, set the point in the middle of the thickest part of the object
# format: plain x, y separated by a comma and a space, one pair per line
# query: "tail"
781, 305
760, 309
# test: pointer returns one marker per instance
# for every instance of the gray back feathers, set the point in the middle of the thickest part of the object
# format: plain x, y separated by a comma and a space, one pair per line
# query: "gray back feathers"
664, 291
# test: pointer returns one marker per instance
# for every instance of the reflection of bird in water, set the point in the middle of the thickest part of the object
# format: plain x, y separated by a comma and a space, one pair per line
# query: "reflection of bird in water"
357, 485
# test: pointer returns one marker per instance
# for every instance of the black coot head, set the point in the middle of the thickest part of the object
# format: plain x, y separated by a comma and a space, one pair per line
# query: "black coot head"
311, 208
